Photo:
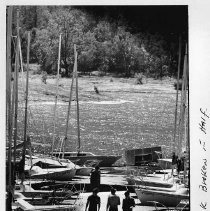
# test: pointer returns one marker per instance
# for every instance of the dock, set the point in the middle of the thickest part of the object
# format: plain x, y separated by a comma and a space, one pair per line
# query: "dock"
110, 178
82, 183
104, 195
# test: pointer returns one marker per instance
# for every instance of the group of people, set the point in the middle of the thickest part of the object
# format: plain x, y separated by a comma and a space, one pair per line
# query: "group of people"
113, 201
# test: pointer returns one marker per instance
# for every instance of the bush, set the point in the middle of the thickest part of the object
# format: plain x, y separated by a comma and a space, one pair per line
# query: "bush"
139, 78
179, 84
102, 46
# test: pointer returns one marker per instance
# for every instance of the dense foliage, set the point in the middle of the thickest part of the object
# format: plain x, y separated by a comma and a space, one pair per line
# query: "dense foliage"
102, 45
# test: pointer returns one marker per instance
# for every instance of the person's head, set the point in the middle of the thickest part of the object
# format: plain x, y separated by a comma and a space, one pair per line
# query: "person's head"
97, 167
95, 191
127, 194
113, 191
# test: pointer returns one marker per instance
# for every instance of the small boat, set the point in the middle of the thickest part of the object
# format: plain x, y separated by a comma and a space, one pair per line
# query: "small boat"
151, 180
142, 156
59, 174
46, 162
28, 192
44, 167
82, 157
83, 171
146, 177
165, 163
182, 206
48, 202
86, 169
170, 197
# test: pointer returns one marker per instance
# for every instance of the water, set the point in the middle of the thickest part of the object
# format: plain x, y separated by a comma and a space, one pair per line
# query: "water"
132, 120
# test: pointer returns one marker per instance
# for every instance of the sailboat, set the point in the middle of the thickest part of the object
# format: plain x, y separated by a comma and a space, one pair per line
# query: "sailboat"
58, 170
67, 172
9, 173
82, 157
170, 196
154, 180
14, 196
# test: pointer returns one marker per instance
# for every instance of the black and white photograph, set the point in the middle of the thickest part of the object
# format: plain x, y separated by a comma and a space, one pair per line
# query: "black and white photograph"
98, 108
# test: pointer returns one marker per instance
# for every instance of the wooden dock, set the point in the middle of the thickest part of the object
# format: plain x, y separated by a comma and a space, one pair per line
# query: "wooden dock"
82, 183
81, 202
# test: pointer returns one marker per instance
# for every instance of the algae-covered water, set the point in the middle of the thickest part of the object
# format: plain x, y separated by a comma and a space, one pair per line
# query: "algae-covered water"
123, 116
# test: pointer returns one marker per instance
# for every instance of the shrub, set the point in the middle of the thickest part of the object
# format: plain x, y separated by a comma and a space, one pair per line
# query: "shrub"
139, 78
179, 84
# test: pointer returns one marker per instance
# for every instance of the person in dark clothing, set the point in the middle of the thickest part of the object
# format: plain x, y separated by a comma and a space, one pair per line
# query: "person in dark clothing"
113, 201
95, 177
93, 201
174, 159
174, 163
128, 202
179, 165
9, 201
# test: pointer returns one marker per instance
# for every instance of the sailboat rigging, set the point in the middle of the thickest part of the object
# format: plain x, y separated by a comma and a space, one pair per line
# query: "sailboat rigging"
77, 99
81, 157
70, 99
16, 95
8, 101
172, 196
56, 95
177, 91
26, 138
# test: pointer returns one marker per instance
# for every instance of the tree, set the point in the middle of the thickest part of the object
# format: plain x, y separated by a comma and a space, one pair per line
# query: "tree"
128, 56
102, 45
72, 25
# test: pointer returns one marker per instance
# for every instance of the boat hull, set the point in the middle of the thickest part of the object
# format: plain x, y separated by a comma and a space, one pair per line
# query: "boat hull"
149, 182
165, 163
105, 161
43, 193
167, 198
84, 171
142, 156
63, 175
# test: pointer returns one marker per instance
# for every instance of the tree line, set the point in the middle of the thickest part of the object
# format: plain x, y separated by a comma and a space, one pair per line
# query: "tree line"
102, 45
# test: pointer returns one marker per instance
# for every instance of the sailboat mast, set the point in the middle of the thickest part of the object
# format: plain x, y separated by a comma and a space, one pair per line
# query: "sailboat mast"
187, 113
8, 101
16, 90
185, 107
70, 99
177, 91
20, 52
69, 108
77, 100
26, 103
183, 102
56, 95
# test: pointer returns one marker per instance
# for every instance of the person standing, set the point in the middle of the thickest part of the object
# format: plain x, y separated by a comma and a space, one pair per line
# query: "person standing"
174, 163
93, 201
128, 202
113, 201
95, 178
